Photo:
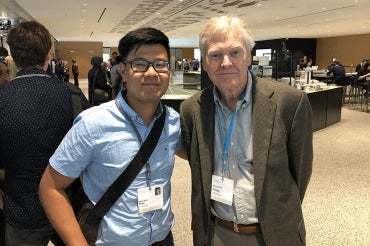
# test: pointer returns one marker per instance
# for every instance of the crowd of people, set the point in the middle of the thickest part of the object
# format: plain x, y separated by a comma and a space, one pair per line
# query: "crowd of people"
338, 73
249, 176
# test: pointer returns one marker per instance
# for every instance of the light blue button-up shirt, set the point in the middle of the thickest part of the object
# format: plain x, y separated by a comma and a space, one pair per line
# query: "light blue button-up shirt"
101, 144
239, 163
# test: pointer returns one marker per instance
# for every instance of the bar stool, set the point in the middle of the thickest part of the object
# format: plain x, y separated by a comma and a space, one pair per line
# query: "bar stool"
346, 83
355, 93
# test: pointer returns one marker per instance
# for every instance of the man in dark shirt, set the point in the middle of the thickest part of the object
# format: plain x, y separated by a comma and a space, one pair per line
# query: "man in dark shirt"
338, 72
75, 72
35, 114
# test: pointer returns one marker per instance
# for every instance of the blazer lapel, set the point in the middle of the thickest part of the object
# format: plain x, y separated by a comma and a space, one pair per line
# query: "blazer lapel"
205, 126
264, 111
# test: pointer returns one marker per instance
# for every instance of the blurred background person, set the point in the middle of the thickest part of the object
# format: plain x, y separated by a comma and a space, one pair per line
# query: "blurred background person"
116, 77
97, 78
35, 114
361, 76
4, 71
75, 72
338, 72
360, 65
4, 78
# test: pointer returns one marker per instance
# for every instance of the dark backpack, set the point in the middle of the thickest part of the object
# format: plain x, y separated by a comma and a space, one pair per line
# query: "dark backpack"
76, 100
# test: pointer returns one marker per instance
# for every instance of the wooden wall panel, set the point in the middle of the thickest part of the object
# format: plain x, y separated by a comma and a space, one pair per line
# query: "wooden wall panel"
349, 50
82, 52
188, 53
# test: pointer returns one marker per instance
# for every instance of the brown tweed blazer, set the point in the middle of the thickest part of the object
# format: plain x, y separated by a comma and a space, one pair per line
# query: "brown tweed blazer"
282, 151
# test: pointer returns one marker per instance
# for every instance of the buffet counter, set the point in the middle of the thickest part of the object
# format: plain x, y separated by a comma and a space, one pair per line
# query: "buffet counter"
326, 105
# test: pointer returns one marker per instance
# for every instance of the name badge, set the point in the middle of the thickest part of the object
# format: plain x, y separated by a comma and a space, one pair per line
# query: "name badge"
150, 199
222, 190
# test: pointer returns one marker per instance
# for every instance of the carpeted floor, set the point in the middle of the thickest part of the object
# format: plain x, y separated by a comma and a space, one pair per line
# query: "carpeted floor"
337, 203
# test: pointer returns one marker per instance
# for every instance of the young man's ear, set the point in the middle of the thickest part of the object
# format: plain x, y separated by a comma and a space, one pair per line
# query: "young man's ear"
122, 70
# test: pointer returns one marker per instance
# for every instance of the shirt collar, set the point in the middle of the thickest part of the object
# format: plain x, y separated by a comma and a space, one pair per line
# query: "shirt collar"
130, 112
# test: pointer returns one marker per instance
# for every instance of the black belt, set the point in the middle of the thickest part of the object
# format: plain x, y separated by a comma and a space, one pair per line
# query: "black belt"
244, 229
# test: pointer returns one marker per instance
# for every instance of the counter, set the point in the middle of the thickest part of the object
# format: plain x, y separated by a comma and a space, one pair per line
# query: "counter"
326, 105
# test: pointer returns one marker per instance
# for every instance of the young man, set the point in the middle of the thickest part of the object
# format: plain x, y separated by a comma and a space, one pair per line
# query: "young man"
35, 114
104, 140
249, 143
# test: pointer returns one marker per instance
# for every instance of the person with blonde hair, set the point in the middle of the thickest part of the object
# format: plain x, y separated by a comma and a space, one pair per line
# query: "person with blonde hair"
4, 71
249, 144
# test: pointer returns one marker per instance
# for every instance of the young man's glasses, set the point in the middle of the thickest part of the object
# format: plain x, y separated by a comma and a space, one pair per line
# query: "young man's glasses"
142, 65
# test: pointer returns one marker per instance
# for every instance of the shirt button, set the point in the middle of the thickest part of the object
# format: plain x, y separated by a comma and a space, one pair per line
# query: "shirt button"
233, 166
242, 216
232, 143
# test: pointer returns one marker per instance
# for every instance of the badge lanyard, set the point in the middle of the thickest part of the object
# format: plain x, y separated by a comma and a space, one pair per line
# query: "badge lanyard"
147, 165
226, 141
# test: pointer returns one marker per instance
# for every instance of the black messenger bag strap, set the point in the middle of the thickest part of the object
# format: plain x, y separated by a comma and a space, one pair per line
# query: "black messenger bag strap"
128, 175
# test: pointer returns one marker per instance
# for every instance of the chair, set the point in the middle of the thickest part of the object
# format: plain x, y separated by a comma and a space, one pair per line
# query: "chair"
355, 92
346, 83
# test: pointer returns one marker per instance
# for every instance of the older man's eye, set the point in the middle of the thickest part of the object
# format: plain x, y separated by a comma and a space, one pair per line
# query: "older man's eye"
215, 56
236, 53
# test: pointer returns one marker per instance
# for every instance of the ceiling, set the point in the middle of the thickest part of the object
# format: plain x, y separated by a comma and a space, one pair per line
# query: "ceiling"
108, 20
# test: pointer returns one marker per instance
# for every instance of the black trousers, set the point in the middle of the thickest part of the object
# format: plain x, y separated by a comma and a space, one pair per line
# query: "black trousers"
168, 241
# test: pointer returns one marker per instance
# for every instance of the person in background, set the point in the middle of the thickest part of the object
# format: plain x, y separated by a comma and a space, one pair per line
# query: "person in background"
116, 77
186, 64
4, 71
102, 143
59, 69
35, 114
97, 77
75, 72
53, 63
4, 79
338, 72
65, 72
3, 52
361, 76
303, 63
104, 67
194, 64
360, 65
249, 146
11, 66
112, 60
305, 66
